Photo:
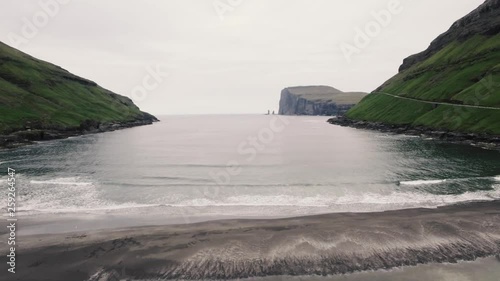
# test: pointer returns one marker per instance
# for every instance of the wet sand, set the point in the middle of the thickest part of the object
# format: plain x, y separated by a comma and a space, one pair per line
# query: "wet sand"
487, 269
330, 244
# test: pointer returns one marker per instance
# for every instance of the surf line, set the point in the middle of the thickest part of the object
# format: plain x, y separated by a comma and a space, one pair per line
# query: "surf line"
438, 181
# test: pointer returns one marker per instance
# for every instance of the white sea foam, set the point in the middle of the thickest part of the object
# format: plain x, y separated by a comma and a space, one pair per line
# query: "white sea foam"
9, 161
258, 200
62, 181
419, 199
79, 209
370, 201
75, 194
422, 182
432, 182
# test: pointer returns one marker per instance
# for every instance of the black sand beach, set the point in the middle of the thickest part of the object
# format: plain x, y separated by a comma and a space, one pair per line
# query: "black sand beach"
329, 244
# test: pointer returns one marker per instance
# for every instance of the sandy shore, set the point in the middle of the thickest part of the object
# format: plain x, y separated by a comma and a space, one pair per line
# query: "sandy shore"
317, 245
483, 269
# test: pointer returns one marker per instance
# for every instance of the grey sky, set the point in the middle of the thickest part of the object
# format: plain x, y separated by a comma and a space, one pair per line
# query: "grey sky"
232, 60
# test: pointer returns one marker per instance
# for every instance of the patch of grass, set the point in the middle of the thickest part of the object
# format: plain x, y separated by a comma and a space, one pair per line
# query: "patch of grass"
462, 119
382, 108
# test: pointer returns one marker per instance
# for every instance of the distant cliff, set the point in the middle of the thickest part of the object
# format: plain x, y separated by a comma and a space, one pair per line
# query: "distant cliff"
317, 100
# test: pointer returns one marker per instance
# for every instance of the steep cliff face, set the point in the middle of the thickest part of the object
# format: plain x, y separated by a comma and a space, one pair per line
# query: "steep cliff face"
317, 100
454, 85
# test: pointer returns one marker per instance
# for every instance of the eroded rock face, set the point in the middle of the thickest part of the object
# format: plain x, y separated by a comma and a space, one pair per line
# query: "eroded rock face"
485, 20
295, 105
317, 100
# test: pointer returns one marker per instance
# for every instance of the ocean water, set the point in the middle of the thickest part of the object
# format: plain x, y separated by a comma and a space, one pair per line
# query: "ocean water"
245, 166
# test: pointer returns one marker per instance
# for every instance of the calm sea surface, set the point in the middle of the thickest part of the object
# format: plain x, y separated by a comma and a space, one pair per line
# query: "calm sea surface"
245, 166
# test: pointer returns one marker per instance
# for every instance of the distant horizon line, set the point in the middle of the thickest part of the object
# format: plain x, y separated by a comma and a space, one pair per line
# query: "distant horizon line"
194, 114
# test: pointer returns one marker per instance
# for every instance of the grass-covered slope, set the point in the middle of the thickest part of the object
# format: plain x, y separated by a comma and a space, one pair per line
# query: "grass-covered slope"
37, 94
326, 94
461, 67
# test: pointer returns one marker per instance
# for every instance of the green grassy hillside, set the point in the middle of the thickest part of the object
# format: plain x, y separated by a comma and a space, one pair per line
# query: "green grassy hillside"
326, 94
459, 68
38, 94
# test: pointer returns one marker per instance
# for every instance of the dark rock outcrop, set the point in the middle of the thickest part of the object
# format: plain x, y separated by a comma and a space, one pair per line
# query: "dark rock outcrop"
317, 100
44, 133
482, 140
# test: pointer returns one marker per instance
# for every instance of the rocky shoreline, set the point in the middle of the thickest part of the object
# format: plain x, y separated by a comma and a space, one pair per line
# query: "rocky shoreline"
482, 140
35, 133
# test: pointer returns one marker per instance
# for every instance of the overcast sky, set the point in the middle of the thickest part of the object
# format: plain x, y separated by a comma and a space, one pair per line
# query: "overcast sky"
226, 56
